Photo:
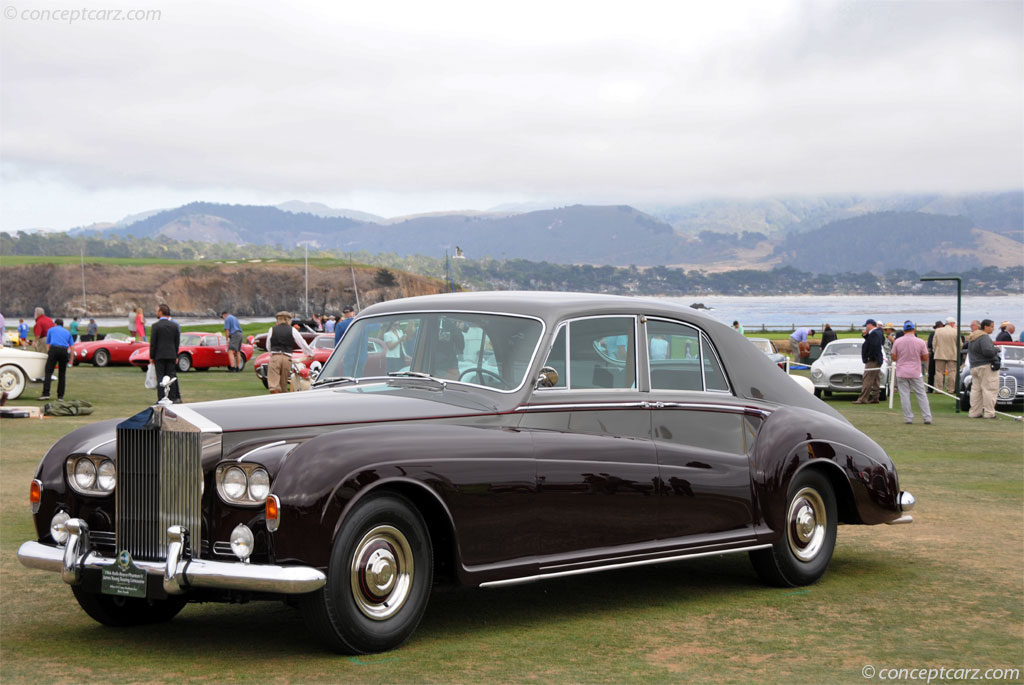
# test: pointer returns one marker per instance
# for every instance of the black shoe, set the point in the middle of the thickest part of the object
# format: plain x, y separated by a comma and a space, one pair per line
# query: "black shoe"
43, 397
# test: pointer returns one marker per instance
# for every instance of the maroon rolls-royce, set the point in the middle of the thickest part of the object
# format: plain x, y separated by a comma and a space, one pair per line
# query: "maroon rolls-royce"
506, 437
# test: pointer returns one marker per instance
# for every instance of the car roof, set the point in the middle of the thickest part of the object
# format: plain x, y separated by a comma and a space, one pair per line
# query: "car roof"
550, 306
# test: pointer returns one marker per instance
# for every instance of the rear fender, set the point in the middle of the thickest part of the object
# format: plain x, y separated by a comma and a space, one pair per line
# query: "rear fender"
862, 474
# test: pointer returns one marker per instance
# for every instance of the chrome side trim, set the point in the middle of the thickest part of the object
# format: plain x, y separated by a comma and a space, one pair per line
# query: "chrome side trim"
902, 519
646, 404
261, 447
627, 564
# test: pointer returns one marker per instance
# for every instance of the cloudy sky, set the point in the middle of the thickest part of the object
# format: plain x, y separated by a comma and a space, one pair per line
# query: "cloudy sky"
404, 106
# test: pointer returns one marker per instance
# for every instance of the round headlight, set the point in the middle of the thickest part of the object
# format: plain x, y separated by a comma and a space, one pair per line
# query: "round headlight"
106, 475
234, 483
85, 473
241, 541
57, 529
259, 485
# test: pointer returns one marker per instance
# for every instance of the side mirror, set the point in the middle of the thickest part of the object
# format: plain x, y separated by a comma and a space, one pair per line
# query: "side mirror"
548, 378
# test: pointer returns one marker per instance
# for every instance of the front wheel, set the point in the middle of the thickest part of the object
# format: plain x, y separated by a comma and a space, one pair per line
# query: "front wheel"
184, 363
378, 580
127, 611
801, 554
12, 381
101, 358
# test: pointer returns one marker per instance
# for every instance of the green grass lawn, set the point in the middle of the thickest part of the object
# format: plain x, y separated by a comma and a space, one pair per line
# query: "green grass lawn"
946, 591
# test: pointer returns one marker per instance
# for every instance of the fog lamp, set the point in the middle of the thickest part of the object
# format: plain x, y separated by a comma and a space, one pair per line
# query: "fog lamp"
58, 530
242, 541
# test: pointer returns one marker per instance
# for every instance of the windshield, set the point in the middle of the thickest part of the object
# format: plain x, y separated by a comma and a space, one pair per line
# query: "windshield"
1012, 354
490, 350
846, 349
764, 345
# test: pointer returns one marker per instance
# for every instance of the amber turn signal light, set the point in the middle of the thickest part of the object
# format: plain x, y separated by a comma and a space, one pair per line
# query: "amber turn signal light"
272, 507
35, 494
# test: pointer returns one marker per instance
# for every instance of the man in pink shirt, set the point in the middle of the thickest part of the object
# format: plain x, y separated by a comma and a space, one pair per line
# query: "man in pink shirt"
909, 352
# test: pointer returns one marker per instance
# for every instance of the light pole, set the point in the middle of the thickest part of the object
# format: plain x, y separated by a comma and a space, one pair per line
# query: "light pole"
959, 291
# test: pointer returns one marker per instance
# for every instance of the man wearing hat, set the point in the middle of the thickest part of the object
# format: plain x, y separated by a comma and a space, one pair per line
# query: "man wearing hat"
946, 346
282, 338
909, 352
346, 318
1006, 330
871, 355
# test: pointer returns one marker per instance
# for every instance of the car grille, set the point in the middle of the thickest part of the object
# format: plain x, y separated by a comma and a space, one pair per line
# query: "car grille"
159, 484
845, 380
1007, 388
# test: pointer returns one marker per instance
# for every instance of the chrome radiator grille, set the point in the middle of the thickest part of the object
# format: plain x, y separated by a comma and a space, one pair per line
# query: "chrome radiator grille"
1007, 388
159, 484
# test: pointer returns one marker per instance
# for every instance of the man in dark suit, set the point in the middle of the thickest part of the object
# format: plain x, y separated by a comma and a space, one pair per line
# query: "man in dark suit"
164, 339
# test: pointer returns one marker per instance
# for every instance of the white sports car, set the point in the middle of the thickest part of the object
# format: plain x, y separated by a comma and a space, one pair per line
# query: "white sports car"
839, 369
17, 368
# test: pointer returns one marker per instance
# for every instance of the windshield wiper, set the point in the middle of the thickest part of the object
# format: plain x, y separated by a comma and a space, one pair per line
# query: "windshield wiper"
418, 375
336, 379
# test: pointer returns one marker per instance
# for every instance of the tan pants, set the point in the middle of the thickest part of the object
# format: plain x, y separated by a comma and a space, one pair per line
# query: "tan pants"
984, 385
869, 385
41, 345
945, 374
278, 369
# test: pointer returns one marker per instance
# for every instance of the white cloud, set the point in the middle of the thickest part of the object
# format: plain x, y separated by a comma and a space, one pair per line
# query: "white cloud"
413, 106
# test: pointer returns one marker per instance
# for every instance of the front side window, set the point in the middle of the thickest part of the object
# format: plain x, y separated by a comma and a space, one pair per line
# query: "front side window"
490, 350
596, 353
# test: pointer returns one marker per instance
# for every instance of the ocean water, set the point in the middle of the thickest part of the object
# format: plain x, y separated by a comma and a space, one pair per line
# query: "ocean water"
783, 311
842, 311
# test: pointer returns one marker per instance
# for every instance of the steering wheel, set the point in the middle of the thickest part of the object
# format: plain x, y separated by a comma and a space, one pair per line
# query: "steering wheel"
481, 372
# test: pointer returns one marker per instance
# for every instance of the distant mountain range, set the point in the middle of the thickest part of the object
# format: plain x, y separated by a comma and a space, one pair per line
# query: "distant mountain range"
824, 234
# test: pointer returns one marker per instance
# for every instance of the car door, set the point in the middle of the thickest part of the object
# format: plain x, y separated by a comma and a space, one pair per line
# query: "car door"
703, 435
597, 466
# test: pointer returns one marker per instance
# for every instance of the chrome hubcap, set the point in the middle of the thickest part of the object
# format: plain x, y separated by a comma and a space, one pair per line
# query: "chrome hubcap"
381, 572
806, 523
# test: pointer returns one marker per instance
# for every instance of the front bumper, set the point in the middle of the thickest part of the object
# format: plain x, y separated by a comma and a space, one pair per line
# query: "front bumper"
179, 572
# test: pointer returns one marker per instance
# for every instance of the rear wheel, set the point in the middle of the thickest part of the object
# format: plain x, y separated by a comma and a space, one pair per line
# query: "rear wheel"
184, 362
101, 358
801, 554
378, 581
127, 611
12, 381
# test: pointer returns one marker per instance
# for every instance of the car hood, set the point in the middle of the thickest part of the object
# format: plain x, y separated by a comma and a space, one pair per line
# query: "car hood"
363, 403
839, 365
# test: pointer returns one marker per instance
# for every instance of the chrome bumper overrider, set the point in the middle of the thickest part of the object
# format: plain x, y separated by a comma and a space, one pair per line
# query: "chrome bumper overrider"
907, 502
178, 572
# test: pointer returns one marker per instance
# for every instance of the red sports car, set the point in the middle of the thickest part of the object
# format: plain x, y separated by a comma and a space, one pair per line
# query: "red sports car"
199, 351
115, 348
322, 346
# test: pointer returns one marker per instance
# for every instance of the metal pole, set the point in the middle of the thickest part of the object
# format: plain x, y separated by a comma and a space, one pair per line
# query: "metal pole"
355, 287
959, 293
307, 279
85, 306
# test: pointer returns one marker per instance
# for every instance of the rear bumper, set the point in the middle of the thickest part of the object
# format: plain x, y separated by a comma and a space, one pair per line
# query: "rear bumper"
178, 572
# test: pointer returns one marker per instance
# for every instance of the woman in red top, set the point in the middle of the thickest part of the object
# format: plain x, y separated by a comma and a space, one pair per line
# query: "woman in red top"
140, 325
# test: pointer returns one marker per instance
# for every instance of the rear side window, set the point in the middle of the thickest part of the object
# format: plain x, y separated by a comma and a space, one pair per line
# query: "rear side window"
682, 358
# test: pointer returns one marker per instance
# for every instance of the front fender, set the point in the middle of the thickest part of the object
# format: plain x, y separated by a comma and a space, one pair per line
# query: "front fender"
792, 439
438, 463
